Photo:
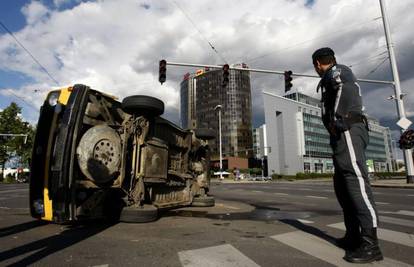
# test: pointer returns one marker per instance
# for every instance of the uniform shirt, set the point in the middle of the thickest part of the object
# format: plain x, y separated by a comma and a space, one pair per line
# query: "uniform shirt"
341, 95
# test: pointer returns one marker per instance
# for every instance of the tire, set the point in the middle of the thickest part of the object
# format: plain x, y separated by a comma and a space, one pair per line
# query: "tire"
143, 105
205, 134
206, 201
146, 213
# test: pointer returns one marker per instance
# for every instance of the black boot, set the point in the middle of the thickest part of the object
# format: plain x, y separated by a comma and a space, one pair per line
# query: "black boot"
349, 242
368, 251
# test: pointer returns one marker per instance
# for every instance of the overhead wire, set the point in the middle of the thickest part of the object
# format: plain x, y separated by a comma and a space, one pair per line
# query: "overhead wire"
370, 58
377, 67
341, 30
29, 53
22, 99
201, 34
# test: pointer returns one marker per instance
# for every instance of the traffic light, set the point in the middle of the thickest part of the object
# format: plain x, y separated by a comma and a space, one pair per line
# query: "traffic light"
162, 75
226, 75
288, 80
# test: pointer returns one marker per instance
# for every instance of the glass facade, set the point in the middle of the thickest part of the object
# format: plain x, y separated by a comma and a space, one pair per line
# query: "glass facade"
187, 102
201, 92
236, 112
316, 137
379, 150
304, 99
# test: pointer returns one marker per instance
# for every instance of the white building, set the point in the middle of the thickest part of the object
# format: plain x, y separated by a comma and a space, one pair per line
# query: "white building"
300, 143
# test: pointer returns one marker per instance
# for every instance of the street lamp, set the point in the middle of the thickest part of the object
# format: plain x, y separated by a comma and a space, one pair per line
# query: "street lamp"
218, 107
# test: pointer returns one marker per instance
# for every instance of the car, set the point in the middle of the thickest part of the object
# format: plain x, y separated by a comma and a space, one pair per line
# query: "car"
95, 157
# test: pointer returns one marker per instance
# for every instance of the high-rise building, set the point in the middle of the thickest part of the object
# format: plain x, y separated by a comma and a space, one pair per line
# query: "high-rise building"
300, 143
260, 147
187, 101
203, 91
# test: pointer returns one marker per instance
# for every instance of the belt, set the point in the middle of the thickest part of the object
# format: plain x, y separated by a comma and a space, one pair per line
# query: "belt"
352, 118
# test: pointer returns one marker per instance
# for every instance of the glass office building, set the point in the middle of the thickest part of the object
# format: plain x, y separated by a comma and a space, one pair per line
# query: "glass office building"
203, 91
300, 142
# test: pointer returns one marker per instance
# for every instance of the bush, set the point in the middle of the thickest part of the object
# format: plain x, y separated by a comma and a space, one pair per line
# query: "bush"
9, 179
301, 176
388, 175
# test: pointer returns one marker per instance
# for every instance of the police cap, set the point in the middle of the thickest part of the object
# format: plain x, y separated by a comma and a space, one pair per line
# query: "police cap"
321, 52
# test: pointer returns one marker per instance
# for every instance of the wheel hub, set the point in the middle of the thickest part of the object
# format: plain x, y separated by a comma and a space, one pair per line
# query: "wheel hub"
99, 154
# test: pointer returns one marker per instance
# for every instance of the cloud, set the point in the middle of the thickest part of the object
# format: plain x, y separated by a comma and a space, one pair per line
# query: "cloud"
115, 46
34, 12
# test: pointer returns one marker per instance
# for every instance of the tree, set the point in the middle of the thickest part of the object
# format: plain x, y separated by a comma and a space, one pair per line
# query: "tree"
12, 123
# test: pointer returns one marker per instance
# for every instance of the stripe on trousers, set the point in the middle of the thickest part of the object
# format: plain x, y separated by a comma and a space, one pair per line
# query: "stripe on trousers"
360, 179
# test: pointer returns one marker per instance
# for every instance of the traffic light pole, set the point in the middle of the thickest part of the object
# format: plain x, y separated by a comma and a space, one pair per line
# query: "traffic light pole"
408, 157
267, 71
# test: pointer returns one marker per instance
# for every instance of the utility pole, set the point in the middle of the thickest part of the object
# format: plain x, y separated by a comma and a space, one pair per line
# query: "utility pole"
403, 122
218, 107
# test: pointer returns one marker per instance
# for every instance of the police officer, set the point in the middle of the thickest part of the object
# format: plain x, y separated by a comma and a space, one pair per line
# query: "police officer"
348, 128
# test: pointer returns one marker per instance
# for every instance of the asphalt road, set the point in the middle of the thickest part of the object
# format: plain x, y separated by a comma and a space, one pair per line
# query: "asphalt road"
258, 224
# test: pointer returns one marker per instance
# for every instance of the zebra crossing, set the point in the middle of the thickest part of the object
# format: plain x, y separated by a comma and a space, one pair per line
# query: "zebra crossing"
310, 244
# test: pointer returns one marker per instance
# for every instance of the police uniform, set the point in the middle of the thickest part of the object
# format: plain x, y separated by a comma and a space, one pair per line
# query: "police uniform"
342, 115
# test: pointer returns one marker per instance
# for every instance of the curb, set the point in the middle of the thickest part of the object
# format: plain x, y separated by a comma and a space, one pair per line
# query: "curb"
393, 186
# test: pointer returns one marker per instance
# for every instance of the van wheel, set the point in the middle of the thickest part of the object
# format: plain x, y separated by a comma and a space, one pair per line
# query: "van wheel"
205, 201
143, 105
139, 214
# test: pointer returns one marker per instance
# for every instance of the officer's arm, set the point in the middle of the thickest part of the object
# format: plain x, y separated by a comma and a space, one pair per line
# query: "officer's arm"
337, 85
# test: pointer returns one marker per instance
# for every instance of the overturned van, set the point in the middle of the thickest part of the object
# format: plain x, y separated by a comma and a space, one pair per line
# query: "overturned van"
96, 157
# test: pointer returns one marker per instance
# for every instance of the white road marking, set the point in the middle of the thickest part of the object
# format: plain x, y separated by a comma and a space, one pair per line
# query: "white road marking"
322, 249
304, 189
256, 191
317, 197
397, 221
14, 191
387, 235
103, 265
218, 256
410, 195
382, 203
227, 206
328, 190
304, 221
281, 194
405, 212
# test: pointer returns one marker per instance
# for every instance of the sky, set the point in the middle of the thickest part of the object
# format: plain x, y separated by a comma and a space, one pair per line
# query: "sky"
115, 46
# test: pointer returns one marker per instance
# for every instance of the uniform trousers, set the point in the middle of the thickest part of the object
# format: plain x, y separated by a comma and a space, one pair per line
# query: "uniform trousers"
351, 183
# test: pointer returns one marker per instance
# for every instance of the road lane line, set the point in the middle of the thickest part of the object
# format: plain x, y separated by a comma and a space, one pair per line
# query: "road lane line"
382, 203
387, 235
256, 191
400, 212
218, 256
397, 221
406, 212
323, 250
317, 197
281, 194
304, 221
14, 191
